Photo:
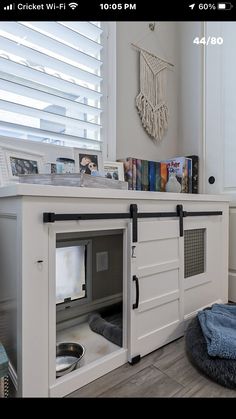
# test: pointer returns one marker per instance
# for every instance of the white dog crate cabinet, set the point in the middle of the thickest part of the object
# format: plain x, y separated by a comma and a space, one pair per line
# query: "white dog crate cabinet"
68, 254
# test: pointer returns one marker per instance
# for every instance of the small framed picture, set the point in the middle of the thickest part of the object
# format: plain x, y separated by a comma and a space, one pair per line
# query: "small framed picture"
15, 162
88, 161
114, 170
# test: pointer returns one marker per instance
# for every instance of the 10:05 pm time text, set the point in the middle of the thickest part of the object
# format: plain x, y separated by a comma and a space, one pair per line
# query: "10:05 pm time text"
118, 6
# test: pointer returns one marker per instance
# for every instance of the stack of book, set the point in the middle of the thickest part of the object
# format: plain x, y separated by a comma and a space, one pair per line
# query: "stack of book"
146, 175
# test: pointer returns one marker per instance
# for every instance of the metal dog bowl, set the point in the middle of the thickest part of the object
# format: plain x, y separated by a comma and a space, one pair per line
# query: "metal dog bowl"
68, 355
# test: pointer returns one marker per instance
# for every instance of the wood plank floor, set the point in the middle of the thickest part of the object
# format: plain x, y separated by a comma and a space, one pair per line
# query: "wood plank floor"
166, 372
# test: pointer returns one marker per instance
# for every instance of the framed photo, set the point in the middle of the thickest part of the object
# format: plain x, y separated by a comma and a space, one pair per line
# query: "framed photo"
15, 162
114, 170
88, 161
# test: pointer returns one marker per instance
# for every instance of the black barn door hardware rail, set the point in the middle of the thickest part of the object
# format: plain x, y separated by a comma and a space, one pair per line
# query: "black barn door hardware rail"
181, 214
51, 217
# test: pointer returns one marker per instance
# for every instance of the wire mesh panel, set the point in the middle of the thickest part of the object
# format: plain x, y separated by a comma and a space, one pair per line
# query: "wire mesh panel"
4, 384
4, 387
194, 252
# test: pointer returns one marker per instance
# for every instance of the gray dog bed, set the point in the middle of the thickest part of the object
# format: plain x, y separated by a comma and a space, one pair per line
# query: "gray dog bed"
223, 371
108, 326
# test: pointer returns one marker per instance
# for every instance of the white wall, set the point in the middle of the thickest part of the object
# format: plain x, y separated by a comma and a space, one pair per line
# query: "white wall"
220, 110
174, 42
190, 97
132, 139
221, 127
190, 87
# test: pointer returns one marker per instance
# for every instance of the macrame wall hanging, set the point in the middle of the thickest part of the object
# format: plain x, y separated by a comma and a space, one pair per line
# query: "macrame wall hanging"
151, 100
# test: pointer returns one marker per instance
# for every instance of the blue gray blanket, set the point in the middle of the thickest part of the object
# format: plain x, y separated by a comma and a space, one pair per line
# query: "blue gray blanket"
219, 329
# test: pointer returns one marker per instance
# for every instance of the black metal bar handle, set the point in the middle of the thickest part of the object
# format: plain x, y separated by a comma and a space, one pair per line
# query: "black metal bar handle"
180, 213
134, 216
51, 217
136, 304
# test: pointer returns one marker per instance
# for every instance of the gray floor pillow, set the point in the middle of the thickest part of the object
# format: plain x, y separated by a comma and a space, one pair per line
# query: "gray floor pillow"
109, 327
223, 371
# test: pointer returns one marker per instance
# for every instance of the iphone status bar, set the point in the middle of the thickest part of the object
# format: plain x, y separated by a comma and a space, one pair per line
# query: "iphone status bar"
137, 10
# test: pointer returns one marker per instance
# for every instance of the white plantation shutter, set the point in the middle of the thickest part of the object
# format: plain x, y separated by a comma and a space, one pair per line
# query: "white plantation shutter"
50, 82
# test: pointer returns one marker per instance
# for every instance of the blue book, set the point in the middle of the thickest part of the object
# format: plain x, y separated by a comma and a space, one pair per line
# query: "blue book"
158, 176
152, 175
144, 175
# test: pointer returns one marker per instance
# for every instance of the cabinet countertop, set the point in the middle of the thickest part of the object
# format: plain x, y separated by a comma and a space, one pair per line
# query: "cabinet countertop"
19, 189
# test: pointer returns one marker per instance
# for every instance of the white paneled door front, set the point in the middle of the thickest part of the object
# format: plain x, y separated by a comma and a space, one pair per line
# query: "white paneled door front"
156, 315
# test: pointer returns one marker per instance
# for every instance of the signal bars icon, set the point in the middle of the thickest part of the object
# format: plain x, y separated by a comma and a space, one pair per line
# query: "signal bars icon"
73, 5
9, 7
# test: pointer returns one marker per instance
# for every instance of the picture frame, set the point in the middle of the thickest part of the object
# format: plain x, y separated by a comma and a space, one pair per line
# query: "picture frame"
15, 162
114, 170
88, 161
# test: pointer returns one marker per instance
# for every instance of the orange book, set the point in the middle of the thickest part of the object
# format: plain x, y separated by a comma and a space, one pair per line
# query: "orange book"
164, 176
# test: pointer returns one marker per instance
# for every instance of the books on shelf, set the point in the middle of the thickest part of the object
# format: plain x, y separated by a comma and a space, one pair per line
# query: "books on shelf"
195, 173
157, 175
134, 174
164, 175
150, 175
144, 175
138, 174
182, 167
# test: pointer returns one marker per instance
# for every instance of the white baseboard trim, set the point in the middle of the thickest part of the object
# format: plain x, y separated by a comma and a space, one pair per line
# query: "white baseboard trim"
189, 316
232, 286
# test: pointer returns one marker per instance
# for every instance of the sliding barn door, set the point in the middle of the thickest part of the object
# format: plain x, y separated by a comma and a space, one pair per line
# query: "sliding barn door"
156, 294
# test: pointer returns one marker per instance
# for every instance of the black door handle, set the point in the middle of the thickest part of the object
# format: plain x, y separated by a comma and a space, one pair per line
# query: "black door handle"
135, 305
211, 180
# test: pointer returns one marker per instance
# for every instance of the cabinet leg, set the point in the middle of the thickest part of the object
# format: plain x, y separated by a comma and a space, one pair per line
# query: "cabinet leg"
135, 360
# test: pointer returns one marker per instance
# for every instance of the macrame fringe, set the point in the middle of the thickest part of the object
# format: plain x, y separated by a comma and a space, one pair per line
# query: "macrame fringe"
155, 121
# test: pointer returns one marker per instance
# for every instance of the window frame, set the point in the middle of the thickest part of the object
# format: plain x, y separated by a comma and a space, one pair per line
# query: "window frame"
108, 117
108, 101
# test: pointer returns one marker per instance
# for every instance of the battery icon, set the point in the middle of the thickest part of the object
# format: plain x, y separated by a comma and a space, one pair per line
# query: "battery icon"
224, 6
